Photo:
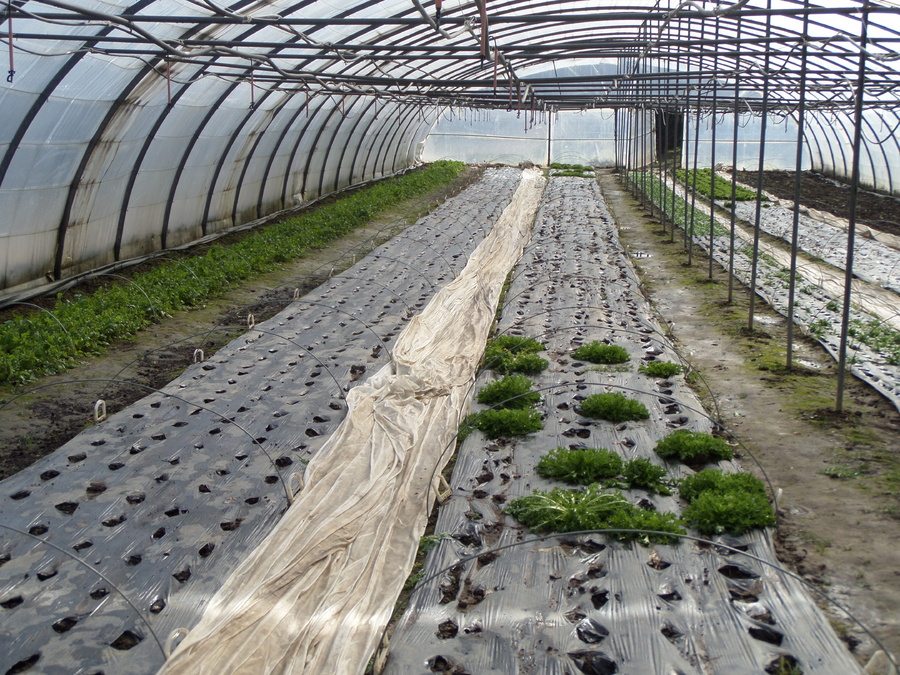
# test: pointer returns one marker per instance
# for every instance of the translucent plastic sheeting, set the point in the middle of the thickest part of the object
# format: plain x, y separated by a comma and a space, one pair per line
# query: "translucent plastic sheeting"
588, 604
136, 521
585, 137
315, 595
780, 142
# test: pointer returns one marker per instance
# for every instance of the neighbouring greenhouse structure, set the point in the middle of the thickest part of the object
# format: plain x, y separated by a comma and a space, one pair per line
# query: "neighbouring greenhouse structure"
494, 364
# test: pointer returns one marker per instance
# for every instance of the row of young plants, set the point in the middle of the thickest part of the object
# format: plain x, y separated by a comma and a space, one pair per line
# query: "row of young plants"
717, 502
709, 184
36, 344
818, 312
575, 170
675, 207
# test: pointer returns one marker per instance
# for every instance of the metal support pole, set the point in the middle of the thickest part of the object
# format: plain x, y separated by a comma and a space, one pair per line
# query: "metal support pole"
795, 229
854, 192
712, 157
734, 154
759, 177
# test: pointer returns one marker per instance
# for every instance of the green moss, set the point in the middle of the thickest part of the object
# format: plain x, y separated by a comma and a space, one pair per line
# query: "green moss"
600, 352
614, 407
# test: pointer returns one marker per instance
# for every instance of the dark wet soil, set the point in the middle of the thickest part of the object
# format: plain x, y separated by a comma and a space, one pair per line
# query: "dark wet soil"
818, 192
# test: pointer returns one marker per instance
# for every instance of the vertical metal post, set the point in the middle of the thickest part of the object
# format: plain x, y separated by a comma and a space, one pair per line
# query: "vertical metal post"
734, 155
689, 227
795, 229
549, 136
712, 154
854, 192
759, 175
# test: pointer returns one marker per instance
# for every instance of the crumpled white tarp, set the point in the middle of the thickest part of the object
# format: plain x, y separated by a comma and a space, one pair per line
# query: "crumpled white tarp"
316, 594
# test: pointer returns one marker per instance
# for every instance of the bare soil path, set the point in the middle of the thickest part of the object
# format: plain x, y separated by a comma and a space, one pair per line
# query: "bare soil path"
839, 516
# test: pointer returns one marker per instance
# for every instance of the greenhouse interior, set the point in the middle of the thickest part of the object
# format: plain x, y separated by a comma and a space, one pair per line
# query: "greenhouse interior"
450, 336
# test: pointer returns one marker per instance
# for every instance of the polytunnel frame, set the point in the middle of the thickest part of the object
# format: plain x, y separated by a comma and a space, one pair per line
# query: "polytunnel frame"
456, 69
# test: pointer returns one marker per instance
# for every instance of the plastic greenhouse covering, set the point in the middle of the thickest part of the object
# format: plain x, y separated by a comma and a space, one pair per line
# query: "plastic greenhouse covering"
131, 128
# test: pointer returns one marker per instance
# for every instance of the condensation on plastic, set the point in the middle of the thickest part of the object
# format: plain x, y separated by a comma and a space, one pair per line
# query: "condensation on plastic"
166, 497
316, 594
547, 605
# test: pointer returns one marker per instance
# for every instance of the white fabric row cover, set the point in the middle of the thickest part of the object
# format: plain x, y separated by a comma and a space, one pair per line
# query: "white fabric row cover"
315, 596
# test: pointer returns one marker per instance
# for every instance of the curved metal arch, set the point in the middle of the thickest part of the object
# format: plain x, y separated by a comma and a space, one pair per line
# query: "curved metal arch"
261, 133
75, 184
268, 169
369, 141
354, 142
346, 112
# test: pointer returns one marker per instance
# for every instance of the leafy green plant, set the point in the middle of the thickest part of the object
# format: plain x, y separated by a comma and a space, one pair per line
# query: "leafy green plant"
879, 336
561, 510
45, 343
514, 354
513, 391
693, 448
708, 183
714, 480
600, 352
580, 465
644, 474
503, 423
732, 512
661, 369
725, 502
819, 327
614, 407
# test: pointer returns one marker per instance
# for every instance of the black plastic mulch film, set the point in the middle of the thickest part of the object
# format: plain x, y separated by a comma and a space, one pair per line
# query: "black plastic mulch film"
587, 603
137, 520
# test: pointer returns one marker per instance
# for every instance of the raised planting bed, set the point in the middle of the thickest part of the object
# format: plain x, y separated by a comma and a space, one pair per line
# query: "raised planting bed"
498, 597
818, 305
165, 498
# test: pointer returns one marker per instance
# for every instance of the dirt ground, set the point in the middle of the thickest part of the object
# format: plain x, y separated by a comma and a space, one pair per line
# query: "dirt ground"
838, 475
818, 192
